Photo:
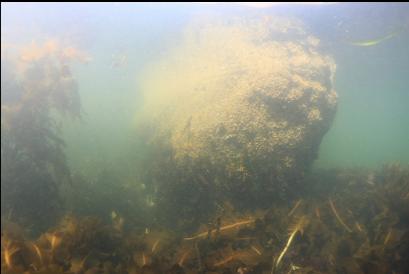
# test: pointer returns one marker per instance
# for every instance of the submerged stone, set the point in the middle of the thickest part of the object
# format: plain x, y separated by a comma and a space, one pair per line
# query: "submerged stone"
248, 101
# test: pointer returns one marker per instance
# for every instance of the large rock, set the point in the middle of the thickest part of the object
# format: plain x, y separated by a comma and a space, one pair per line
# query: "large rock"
250, 99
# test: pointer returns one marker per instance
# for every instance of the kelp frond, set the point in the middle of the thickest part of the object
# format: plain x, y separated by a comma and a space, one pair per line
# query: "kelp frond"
223, 228
296, 227
334, 210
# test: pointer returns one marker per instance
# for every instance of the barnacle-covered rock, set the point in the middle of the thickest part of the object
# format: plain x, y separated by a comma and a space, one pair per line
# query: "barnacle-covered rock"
253, 97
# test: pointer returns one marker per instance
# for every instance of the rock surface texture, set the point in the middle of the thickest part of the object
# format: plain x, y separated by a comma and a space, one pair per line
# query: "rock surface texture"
251, 98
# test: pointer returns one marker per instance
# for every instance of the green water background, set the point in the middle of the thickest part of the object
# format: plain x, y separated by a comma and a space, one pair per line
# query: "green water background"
371, 125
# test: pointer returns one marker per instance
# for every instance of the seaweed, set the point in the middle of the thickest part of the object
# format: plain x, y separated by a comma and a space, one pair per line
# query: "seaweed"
33, 164
354, 221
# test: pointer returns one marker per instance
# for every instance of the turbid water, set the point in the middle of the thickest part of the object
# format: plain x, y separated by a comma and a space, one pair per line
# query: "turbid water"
188, 138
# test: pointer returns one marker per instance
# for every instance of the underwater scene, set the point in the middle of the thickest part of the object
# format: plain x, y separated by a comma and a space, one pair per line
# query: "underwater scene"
183, 138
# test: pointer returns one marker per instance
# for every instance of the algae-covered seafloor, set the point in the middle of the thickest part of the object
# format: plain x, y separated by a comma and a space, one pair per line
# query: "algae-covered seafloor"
332, 228
217, 172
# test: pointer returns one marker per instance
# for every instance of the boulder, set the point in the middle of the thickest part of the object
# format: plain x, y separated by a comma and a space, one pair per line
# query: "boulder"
242, 103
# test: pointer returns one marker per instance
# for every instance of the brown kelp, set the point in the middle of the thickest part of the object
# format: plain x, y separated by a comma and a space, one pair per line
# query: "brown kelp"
309, 239
297, 227
331, 203
36, 85
234, 241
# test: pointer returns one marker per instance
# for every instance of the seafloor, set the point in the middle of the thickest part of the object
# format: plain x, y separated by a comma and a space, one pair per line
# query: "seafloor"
345, 221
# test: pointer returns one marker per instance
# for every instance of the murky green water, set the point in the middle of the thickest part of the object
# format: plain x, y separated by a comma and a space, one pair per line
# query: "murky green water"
196, 117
